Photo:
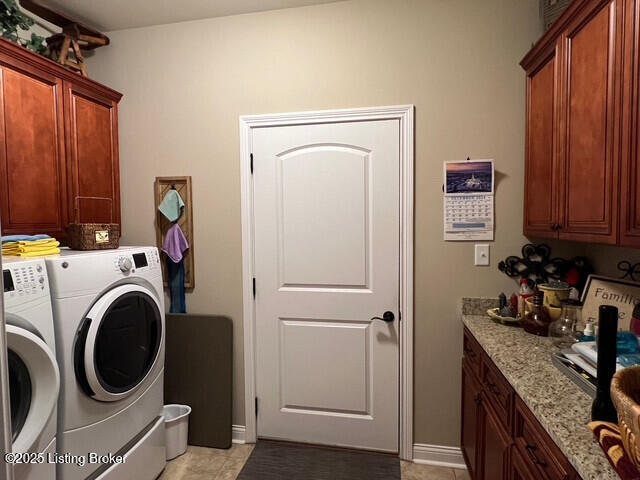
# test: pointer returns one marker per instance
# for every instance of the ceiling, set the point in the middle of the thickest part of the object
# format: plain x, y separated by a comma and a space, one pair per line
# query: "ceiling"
110, 15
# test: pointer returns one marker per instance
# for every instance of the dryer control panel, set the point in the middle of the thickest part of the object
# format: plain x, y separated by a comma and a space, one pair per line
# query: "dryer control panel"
138, 261
25, 279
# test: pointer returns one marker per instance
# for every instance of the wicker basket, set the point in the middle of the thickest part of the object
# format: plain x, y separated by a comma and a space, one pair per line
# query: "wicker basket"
93, 236
625, 394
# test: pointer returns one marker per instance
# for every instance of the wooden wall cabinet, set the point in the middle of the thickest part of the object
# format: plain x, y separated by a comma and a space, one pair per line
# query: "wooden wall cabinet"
575, 125
630, 171
541, 169
59, 148
500, 438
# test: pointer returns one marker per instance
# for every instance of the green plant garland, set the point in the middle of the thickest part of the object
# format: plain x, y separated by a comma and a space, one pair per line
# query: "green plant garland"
13, 20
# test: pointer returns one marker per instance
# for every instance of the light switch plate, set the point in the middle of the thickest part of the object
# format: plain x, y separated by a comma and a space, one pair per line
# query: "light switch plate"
481, 254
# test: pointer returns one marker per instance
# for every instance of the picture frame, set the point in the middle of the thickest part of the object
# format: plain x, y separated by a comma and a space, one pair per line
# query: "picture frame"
602, 290
469, 177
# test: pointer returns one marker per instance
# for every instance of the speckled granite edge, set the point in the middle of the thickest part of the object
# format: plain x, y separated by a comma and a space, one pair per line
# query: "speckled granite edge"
560, 406
478, 305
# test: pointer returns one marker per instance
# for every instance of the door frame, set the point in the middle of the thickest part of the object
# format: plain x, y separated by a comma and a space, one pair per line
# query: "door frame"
405, 115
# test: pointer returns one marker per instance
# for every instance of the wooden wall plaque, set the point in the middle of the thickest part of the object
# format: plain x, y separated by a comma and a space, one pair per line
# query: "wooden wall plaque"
183, 185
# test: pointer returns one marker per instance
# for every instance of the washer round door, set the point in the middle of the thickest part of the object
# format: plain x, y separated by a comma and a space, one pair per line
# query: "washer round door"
118, 342
34, 384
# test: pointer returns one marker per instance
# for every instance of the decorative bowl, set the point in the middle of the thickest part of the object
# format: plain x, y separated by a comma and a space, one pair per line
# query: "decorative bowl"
494, 313
625, 394
554, 294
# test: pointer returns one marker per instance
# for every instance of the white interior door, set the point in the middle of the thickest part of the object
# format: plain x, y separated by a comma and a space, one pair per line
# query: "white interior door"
326, 233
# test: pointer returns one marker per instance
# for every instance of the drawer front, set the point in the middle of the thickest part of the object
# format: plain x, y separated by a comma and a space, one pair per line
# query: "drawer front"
536, 447
498, 393
472, 352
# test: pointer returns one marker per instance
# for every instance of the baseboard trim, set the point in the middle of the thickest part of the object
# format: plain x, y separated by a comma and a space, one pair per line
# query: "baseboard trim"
438, 455
238, 433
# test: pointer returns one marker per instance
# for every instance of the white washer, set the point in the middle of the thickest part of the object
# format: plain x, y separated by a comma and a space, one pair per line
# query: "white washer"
108, 309
34, 380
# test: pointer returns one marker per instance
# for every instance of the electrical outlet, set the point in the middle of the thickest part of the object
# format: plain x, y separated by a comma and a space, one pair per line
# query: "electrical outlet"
481, 254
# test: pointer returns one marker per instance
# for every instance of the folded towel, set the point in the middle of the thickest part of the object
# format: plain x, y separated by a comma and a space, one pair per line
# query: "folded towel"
51, 251
18, 238
30, 243
42, 247
30, 246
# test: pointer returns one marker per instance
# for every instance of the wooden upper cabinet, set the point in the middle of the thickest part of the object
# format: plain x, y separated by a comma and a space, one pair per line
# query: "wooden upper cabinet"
575, 75
93, 169
541, 183
589, 123
32, 189
630, 172
58, 148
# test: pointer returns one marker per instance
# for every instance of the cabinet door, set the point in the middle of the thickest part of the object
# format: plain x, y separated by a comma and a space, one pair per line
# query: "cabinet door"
32, 183
541, 179
589, 150
92, 144
32, 151
630, 174
470, 417
494, 449
518, 469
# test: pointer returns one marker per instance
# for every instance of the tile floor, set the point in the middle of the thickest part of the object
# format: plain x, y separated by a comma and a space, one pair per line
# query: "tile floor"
200, 463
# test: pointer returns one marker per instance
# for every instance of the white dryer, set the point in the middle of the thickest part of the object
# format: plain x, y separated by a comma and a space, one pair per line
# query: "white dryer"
108, 309
34, 380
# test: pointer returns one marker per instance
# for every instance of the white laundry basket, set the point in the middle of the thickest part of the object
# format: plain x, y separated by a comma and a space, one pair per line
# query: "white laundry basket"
176, 423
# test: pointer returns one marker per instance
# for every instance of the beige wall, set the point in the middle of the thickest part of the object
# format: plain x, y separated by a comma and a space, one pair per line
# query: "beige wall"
186, 84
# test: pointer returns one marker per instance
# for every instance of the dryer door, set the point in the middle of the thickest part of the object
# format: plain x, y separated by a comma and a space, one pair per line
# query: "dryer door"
119, 342
34, 383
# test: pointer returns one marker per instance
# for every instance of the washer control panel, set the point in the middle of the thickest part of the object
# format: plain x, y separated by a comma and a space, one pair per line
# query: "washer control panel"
27, 279
138, 261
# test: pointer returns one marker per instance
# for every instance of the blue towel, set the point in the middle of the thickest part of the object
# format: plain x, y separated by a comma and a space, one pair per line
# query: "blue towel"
23, 238
175, 272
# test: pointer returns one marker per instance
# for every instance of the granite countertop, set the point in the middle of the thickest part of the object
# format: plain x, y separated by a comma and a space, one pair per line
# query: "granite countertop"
559, 405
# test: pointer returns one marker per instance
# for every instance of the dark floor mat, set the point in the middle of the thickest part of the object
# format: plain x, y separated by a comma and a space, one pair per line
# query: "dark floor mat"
275, 461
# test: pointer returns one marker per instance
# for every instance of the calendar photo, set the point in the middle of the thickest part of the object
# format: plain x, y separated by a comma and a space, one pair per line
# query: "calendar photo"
470, 176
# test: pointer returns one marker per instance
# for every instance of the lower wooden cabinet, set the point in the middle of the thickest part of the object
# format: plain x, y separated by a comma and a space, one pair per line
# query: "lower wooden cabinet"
495, 446
518, 469
500, 438
470, 417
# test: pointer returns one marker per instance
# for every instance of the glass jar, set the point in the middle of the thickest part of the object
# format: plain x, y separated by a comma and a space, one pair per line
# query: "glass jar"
537, 320
563, 330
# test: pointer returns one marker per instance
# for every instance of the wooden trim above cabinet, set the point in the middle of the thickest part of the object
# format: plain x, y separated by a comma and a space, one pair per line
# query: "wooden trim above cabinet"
10, 51
546, 44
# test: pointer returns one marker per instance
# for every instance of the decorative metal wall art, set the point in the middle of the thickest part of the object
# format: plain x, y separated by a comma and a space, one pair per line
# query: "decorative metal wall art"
537, 265
630, 271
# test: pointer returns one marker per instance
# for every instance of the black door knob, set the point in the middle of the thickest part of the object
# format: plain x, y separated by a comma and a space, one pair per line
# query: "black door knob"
386, 316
